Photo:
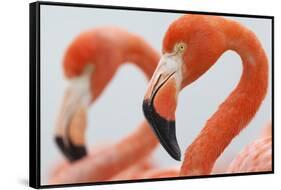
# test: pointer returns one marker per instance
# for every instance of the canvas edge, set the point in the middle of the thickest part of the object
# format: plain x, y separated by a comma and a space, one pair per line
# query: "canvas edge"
34, 95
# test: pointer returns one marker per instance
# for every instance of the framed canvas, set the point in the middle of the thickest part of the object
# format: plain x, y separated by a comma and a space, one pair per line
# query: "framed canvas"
122, 94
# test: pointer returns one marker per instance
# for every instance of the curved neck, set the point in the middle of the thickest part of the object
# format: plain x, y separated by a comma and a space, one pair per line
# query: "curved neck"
238, 109
141, 54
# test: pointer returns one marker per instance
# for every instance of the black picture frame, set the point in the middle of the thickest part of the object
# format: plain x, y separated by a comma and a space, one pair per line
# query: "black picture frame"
34, 97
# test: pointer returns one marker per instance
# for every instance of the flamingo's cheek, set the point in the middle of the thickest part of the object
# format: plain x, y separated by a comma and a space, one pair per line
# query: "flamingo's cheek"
165, 101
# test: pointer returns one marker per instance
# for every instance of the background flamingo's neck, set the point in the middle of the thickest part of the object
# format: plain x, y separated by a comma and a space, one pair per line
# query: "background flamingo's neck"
141, 54
238, 109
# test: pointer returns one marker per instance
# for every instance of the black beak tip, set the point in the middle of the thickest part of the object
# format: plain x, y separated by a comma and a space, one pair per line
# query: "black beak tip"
175, 152
165, 130
71, 152
167, 136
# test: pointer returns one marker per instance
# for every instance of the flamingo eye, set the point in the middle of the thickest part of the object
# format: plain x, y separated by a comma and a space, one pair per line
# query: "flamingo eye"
179, 47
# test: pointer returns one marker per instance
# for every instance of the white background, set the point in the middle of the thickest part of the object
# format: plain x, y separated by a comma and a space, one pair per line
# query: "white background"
14, 94
122, 100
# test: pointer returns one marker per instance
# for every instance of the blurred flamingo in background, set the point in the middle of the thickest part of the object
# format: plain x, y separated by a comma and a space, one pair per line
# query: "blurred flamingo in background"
192, 44
89, 64
255, 157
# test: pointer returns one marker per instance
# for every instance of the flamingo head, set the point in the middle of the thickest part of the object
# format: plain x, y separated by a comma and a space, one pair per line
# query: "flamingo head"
191, 45
88, 67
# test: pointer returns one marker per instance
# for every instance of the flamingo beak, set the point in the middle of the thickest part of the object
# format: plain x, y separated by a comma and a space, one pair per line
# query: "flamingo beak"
71, 120
160, 102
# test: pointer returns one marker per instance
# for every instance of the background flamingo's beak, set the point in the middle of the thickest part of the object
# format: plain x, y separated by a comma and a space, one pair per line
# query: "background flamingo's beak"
160, 102
71, 120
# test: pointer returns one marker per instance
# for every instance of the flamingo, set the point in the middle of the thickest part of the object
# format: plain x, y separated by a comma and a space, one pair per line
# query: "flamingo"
256, 156
89, 64
192, 44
